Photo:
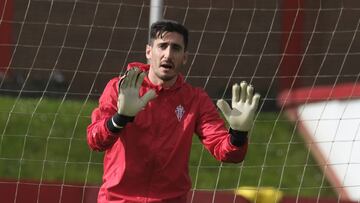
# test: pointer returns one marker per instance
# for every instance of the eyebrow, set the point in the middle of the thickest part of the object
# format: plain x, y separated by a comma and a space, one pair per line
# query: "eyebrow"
176, 45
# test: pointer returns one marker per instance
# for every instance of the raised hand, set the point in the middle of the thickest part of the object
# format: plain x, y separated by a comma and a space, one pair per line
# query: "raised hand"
244, 103
129, 103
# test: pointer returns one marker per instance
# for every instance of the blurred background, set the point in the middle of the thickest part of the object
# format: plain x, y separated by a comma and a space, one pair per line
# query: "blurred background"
57, 56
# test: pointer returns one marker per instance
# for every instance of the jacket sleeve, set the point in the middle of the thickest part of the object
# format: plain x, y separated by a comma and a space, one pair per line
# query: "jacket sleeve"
99, 137
214, 135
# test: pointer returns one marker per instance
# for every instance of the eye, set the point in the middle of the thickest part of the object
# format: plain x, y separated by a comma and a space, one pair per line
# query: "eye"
176, 47
163, 45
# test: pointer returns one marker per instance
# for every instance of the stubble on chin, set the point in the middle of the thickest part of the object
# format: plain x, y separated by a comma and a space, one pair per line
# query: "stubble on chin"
167, 78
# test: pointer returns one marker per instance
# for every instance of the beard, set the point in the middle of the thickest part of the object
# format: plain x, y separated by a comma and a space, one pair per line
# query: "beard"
166, 77
167, 74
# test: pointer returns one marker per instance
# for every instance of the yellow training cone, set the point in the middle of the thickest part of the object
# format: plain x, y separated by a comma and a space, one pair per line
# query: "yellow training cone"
260, 195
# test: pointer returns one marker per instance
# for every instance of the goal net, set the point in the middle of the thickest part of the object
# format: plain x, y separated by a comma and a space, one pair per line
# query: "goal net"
56, 57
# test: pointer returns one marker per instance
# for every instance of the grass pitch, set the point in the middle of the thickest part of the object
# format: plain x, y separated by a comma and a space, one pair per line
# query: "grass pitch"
45, 139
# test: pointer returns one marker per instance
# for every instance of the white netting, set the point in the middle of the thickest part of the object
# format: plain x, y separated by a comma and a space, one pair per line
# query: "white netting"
58, 56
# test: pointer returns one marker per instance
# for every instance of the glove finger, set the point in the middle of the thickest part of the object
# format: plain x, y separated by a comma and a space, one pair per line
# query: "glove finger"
122, 78
224, 107
124, 81
235, 94
140, 79
243, 87
149, 95
130, 78
250, 94
134, 75
255, 101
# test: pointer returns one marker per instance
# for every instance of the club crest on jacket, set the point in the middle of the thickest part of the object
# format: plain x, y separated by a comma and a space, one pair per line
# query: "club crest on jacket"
179, 111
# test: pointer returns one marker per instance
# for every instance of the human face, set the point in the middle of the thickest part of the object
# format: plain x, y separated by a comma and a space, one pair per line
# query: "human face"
166, 56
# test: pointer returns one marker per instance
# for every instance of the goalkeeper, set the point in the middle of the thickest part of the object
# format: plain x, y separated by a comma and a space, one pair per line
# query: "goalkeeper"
146, 119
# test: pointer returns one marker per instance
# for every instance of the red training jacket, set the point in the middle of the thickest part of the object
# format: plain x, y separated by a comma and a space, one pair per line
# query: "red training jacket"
148, 160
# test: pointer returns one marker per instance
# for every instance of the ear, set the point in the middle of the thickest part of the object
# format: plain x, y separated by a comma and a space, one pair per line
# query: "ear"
148, 51
185, 58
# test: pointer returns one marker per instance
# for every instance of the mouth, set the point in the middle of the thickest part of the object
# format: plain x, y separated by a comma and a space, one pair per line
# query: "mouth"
167, 65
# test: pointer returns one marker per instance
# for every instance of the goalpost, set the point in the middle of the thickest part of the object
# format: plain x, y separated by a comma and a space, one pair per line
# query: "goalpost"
156, 11
302, 56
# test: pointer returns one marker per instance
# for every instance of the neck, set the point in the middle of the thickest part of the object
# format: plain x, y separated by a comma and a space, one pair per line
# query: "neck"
158, 81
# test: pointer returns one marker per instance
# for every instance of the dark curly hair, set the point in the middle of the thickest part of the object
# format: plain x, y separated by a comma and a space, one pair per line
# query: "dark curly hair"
159, 28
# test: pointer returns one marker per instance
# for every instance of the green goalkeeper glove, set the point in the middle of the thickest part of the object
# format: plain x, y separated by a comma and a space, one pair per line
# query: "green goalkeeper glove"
244, 105
129, 103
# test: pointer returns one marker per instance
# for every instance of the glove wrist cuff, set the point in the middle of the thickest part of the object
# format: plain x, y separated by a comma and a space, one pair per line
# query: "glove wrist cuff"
238, 138
117, 122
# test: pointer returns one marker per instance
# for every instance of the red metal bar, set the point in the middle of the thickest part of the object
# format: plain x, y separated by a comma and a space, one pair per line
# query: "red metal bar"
6, 16
292, 41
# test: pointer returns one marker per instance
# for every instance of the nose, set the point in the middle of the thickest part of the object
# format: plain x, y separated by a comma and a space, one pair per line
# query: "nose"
168, 52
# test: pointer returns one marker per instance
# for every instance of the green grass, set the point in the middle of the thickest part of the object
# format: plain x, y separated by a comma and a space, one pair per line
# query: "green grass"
45, 139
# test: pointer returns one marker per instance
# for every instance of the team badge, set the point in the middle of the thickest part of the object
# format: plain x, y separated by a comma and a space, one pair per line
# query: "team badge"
179, 111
